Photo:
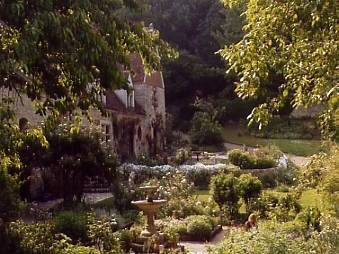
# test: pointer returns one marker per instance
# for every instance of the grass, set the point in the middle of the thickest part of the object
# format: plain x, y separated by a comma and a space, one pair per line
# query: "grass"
202, 195
311, 198
299, 147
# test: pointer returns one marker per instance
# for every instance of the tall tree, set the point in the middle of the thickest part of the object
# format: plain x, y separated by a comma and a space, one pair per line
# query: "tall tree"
289, 54
52, 50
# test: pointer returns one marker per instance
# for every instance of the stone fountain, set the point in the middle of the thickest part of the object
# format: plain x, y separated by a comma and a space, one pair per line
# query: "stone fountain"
150, 207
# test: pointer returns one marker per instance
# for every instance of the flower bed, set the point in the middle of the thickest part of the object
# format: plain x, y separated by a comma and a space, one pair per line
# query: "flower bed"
192, 228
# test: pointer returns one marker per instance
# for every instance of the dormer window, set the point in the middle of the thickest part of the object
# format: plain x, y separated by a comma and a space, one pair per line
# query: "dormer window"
130, 99
103, 99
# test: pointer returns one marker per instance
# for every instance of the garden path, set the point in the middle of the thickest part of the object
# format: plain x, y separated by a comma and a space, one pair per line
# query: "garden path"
92, 198
201, 247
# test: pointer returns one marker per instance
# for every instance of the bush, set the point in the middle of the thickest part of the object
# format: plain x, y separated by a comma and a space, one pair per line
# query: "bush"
250, 188
311, 218
10, 203
283, 208
247, 160
199, 227
182, 155
282, 238
206, 131
72, 224
242, 159
200, 178
225, 192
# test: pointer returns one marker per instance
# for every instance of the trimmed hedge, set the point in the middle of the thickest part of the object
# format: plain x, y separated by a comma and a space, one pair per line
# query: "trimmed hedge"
247, 160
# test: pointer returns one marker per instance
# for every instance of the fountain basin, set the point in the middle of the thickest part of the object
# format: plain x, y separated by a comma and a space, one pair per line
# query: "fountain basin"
149, 207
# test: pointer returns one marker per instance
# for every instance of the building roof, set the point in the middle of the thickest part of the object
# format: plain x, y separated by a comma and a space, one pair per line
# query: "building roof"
139, 75
115, 104
137, 68
154, 79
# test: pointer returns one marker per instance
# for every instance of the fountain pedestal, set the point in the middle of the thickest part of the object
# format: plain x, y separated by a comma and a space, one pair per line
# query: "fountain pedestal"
149, 207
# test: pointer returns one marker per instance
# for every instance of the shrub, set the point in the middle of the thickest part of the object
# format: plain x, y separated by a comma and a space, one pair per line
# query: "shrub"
241, 159
10, 203
281, 238
199, 227
182, 155
200, 178
178, 191
102, 236
250, 188
283, 208
311, 218
225, 192
205, 130
72, 224
264, 162
247, 160
125, 238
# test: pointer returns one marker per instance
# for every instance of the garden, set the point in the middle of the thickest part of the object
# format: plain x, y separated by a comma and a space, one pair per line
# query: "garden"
197, 199
64, 189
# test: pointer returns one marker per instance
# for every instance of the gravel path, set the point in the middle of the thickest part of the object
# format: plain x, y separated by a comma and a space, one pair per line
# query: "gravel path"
92, 198
201, 247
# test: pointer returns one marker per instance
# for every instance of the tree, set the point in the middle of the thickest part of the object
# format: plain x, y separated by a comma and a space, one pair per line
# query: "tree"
225, 192
250, 189
57, 51
11, 141
289, 55
74, 156
206, 130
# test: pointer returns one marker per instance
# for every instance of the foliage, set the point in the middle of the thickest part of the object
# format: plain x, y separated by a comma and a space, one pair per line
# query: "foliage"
311, 217
199, 227
182, 155
72, 224
237, 134
73, 156
179, 193
12, 140
270, 59
57, 49
248, 160
281, 208
10, 203
250, 188
206, 130
198, 29
34, 238
225, 192
41, 239
200, 178
242, 159
322, 172
274, 238
194, 227
102, 236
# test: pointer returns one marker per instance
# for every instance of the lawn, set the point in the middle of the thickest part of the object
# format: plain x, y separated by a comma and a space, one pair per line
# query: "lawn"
202, 195
309, 198
297, 147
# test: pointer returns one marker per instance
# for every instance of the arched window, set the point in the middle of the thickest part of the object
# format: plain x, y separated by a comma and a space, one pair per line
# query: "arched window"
139, 132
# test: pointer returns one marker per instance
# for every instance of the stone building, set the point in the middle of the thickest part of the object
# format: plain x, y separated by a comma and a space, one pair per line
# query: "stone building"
135, 120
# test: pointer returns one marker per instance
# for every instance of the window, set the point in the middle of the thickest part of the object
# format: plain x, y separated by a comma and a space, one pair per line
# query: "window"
106, 133
130, 100
103, 99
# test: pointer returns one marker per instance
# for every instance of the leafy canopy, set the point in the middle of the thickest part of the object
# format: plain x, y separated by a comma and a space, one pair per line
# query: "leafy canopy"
52, 50
289, 55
